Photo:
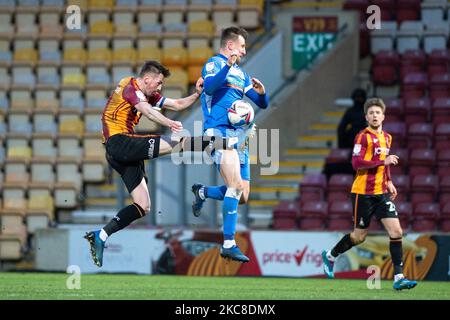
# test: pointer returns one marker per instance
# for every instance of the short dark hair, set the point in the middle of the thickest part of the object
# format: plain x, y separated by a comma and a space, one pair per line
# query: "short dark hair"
154, 67
232, 33
374, 102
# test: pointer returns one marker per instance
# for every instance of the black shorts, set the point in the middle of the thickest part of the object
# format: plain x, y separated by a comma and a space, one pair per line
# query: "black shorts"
126, 153
365, 206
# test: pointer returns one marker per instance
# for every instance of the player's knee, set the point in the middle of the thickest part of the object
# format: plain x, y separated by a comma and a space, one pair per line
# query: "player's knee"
358, 238
244, 197
396, 233
144, 204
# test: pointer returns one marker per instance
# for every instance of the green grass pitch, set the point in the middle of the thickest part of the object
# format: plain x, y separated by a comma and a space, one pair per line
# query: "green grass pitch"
138, 287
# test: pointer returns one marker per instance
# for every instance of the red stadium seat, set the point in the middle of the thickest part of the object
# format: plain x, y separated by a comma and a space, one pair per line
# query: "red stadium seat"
412, 61
285, 215
445, 218
439, 57
444, 190
313, 215
358, 5
424, 188
398, 132
440, 86
404, 210
313, 187
420, 135
387, 7
421, 161
403, 155
339, 187
440, 110
396, 110
442, 136
338, 155
425, 217
417, 110
414, 84
385, 67
443, 163
408, 10
339, 216
402, 184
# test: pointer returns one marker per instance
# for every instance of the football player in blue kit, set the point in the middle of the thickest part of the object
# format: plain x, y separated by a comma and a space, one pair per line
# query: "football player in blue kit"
224, 83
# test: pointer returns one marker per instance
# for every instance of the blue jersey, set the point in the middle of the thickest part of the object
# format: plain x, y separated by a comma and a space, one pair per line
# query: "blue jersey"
215, 106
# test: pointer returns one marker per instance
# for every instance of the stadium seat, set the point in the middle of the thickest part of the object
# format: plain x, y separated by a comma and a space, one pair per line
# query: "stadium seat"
71, 97
338, 156
439, 60
119, 72
40, 207
444, 189
25, 22
388, 8
440, 86
48, 74
249, 13
10, 247
42, 170
404, 210
12, 224
14, 195
403, 163
222, 15
17, 146
396, 110
440, 111
339, 187
412, 61
425, 217
414, 85
409, 36
339, 216
444, 221
19, 122
443, 162
421, 161
402, 184
313, 188
98, 76
357, 5
68, 171
385, 67
43, 145
175, 57
93, 169
74, 55
417, 110
16, 170
420, 136
442, 136
198, 10
408, 10
20, 98
44, 121
424, 188
46, 98
124, 56
23, 75
285, 215
313, 215
398, 132
177, 84
68, 145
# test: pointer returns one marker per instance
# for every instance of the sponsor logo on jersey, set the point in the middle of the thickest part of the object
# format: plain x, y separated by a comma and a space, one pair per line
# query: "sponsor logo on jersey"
151, 148
380, 150
209, 66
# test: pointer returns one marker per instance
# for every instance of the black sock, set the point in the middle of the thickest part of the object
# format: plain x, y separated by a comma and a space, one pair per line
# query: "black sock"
395, 247
123, 218
343, 245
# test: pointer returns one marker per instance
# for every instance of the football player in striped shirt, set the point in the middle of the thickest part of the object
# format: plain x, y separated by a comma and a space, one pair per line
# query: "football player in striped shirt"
126, 151
372, 193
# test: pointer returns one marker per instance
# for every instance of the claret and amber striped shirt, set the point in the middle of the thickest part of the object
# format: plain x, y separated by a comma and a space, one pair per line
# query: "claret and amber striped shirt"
120, 115
370, 151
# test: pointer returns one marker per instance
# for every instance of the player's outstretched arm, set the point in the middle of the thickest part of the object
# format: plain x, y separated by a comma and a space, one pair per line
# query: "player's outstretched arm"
183, 103
147, 110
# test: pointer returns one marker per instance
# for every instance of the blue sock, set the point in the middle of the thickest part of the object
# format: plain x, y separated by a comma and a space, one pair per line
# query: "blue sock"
217, 193
230, 217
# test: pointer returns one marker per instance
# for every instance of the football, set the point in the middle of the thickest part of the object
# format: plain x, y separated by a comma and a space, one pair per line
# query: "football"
241, 113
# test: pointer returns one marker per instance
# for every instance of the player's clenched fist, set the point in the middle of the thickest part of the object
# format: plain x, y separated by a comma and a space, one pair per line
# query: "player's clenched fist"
233, 57
175, 126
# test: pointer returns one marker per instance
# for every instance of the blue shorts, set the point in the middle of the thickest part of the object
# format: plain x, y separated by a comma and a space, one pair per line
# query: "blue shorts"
243, 153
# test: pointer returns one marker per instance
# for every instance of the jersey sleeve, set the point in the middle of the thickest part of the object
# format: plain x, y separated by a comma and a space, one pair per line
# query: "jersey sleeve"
133, 96
211, 68
359, 152
247, 83
156, 100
